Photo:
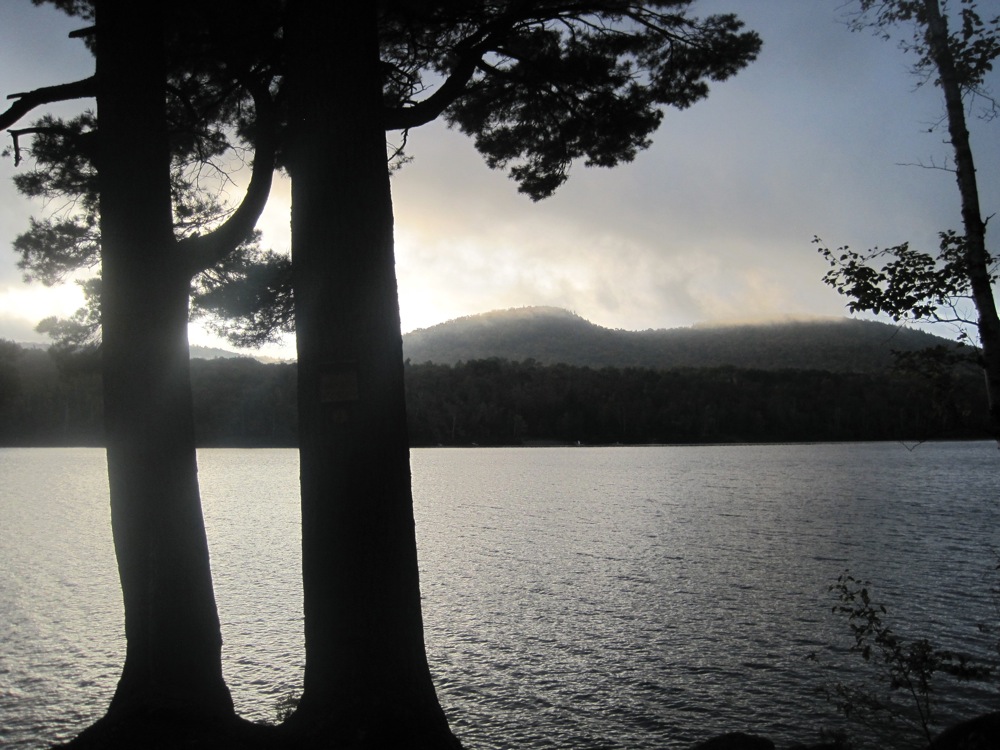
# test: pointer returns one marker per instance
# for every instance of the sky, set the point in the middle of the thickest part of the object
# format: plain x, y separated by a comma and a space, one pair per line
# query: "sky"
827, 134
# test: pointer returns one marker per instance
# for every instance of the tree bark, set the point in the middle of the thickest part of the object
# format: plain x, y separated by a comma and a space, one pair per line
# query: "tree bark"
173, 654
367, 682
976, 255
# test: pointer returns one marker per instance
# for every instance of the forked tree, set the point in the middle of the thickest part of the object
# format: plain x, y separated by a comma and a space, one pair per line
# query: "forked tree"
118, 166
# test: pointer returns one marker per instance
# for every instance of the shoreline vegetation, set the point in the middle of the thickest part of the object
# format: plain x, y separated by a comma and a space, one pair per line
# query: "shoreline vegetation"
53, 399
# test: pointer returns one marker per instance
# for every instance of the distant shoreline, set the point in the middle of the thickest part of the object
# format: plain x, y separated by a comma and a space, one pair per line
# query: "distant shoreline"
542, 444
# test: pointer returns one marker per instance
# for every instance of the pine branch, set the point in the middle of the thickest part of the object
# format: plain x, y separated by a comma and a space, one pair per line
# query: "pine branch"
28, 100
205, 250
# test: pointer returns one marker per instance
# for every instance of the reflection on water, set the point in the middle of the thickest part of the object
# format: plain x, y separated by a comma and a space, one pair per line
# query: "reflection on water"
573, 598
61, 646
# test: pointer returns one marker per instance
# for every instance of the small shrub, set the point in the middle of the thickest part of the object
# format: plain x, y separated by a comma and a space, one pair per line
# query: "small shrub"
285, 707
901, 702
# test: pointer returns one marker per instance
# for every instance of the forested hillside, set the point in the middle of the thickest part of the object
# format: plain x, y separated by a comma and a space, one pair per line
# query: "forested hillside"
552, 336
49, 399
52, 399
496, 402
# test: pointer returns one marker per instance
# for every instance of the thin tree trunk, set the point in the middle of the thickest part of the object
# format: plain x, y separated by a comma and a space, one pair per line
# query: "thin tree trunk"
173, 653
367, 682
976, 255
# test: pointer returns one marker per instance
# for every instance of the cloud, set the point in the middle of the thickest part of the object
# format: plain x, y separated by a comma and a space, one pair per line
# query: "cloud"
714, 220
22, 307
718, 216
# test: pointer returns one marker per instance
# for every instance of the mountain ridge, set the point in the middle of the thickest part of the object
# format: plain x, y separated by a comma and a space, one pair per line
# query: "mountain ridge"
551, 335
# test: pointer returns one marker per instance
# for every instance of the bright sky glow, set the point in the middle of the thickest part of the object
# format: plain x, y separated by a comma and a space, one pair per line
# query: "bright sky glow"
714, 221
29, 304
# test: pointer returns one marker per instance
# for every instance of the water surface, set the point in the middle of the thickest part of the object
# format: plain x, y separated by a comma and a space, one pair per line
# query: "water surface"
575, 598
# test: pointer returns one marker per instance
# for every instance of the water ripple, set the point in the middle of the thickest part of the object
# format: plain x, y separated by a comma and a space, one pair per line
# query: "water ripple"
581, 599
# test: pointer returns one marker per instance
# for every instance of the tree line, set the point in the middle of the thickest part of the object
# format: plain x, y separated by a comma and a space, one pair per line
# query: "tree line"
48, 399
497, 402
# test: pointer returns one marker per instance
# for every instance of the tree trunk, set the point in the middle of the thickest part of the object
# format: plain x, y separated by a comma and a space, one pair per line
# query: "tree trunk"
173, 655
367, 682
976, 255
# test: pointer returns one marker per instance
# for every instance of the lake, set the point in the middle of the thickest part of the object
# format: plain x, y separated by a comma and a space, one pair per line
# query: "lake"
576, 598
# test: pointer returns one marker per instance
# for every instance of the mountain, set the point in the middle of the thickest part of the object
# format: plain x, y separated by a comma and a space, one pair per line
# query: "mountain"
208, 352
48, 400
551, 335
197, 352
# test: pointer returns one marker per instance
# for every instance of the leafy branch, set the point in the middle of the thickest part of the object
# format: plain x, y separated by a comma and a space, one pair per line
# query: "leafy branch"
904, 283
902, 666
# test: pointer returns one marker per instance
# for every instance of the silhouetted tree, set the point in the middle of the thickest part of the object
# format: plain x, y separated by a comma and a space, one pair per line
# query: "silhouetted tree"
538, 85
173, 656
367, 682
913, 284
118, 167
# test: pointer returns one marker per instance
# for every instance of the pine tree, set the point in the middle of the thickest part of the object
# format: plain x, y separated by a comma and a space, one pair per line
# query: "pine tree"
123, 166
538, 85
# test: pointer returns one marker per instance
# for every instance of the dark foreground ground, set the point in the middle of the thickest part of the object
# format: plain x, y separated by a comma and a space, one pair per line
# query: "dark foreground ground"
981, 733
